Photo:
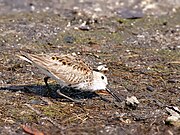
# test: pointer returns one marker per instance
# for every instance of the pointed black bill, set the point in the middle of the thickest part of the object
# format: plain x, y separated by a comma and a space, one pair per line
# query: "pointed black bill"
114, 95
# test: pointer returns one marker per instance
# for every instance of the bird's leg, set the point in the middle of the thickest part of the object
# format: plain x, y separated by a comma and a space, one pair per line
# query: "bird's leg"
48, 91
58, 91
61, 94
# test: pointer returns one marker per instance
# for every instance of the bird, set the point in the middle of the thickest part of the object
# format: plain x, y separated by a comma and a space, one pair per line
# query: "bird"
68, 70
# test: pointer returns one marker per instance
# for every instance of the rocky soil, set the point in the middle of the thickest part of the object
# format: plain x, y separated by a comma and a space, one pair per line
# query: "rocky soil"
138, 41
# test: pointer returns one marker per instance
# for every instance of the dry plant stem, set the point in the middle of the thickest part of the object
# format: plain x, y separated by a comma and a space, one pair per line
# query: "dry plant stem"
36, 111
44, 118
53, 122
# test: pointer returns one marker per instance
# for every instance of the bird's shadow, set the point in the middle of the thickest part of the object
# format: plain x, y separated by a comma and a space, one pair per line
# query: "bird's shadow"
42, 91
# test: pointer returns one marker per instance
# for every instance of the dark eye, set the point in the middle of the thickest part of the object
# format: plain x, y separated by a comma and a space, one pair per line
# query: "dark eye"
102, 77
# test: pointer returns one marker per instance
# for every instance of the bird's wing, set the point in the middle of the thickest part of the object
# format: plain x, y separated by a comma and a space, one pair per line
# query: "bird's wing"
66, 68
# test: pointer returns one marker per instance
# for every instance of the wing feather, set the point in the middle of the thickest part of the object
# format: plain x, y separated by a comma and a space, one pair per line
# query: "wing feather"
66, 68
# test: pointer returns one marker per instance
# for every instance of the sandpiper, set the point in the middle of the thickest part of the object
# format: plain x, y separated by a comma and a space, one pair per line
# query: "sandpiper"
69, 70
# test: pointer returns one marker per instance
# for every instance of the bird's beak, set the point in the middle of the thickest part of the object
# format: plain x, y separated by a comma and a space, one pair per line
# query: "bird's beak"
114, 95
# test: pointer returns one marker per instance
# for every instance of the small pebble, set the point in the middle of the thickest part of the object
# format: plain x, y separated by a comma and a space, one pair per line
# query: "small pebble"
132, 102
150, 88
172, 81
69, 39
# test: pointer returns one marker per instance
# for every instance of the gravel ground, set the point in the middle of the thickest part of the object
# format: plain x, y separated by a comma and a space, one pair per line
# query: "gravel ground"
139, 42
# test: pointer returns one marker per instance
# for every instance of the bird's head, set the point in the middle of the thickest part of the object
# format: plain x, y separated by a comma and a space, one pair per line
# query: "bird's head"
99, 81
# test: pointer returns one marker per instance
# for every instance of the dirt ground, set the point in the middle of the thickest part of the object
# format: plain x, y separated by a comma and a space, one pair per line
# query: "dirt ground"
139, 42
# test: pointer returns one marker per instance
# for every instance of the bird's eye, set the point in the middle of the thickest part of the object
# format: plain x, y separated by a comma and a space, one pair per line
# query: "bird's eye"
102, 77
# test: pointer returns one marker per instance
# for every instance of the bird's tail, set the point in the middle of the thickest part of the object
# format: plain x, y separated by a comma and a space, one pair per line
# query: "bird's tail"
24, 57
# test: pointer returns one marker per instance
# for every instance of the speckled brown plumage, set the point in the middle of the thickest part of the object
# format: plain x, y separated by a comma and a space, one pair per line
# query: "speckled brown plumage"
69, 69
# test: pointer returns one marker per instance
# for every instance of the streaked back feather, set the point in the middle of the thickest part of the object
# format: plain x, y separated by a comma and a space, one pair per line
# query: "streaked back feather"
67, 68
